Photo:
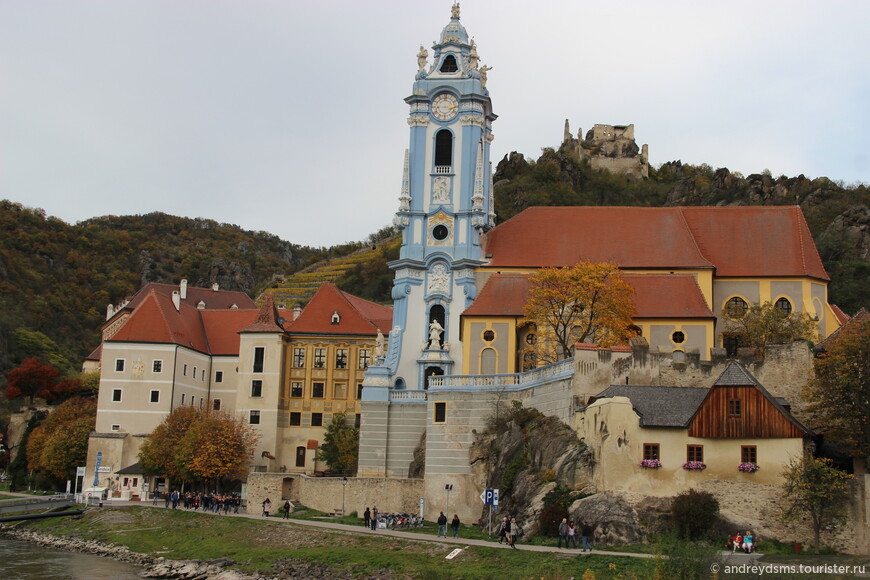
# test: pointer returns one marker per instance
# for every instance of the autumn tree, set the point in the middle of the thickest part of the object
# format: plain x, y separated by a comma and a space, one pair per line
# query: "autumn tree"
762, 324
814, 488
588, 302
839, 395
340, 447
216, 447
158, 453
32, 379
60, 443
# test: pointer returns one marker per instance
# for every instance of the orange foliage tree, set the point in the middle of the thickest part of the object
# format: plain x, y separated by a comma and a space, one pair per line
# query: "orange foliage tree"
158, 452
588, 302
60, 443
32, 378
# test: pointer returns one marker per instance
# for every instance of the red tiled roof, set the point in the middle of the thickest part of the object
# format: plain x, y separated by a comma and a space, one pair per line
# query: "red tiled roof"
156, 320
213, 299
96, 354
736, 241
222, 329
356, 316
267, 318
656, 296
842, 317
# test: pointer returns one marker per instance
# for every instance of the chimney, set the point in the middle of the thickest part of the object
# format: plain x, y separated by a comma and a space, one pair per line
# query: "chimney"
184, 289
110, 310
215, 287
200, 305
176, 300
297, 310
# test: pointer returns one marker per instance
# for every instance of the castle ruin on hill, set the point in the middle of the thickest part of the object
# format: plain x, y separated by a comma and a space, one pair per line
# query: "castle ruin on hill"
611, 148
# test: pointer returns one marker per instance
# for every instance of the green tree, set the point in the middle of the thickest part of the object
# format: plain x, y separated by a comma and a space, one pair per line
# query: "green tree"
340, 447
694, 513
588, 302
764, 324
60, 443
839, 395
814, 488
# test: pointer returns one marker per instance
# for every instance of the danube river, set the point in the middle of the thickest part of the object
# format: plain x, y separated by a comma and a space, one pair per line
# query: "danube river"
26, 561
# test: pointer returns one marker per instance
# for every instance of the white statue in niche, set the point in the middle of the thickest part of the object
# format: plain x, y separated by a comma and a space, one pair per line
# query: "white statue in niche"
439, 279
435, 330
473, 57
441, 190
379, 346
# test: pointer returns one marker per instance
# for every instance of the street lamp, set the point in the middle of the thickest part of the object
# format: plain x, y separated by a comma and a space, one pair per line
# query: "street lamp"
343, 486
448, 488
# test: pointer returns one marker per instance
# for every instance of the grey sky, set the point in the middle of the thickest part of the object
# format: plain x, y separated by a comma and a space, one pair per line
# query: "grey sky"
288, 116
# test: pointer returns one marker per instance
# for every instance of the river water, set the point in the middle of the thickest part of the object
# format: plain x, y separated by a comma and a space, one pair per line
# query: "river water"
27, 561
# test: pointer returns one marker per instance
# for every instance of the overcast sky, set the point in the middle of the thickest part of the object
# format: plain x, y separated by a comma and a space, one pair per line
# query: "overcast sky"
288, 116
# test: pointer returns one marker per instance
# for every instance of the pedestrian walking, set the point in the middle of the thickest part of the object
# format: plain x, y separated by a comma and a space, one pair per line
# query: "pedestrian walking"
442, 525
586, 536
563, 532
367, 518
455, 525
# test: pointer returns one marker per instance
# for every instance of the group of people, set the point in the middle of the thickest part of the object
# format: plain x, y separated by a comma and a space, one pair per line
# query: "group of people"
442, 525
568, 534
209, 502
509, 531
745, 542
373, 519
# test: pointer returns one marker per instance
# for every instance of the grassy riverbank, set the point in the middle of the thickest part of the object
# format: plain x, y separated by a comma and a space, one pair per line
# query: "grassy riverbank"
257, 544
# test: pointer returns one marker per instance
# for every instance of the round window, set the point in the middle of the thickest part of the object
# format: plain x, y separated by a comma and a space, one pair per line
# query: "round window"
530, 338
678, 337
488, 335
440, 232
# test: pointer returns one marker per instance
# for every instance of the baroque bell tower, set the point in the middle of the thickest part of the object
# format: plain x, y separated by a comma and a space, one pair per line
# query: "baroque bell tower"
445, 205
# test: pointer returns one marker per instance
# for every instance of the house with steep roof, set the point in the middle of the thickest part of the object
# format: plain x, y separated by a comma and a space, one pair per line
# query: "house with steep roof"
660, 440
173, 346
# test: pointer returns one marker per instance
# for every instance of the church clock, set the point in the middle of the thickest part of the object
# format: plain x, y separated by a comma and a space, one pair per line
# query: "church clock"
444, 107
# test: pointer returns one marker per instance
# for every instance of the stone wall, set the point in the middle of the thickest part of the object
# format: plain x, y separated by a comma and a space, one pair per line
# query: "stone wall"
325, 493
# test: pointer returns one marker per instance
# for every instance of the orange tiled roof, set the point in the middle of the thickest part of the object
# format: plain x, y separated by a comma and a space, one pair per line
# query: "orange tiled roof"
213, 299
156, 320
267, 318
735, 241
656, 296
222, 329
356, 316
842, 317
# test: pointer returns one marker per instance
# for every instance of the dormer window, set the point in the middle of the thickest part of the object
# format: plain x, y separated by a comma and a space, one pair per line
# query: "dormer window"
448, 65
336, 318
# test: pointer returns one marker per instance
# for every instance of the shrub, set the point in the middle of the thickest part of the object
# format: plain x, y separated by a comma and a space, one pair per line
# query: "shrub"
694, 513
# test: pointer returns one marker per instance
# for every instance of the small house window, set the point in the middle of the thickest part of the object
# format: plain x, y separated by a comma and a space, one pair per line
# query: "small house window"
748, 454
116, 395
341, 358
784, 305
336, 318
259, 357
317, 419
364, 358
254, 418
157, 366
319, 358
651, 451
339, 391
119, 365
440, 412
155, 396
216, 404
218, 376
734, 408
295, 419
695, 453
116, 427
296, 390
298, 358
317, 390
359, 389
256, 388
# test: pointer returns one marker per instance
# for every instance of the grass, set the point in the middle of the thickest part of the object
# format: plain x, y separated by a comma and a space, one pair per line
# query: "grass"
256, 545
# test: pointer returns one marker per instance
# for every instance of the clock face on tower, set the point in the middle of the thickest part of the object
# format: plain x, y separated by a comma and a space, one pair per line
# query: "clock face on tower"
445, 107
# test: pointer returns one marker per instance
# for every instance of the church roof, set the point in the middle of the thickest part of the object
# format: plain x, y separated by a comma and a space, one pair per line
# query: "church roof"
355, 315
735, 241
656, 296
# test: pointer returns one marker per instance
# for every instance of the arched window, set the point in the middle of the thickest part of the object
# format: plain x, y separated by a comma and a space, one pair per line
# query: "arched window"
736, 307
449, 64
436, 314
432, 372
443, 150
488, 361
784, 305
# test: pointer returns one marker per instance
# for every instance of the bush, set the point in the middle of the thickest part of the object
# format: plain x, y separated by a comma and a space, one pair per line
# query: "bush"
695, 513
684, 560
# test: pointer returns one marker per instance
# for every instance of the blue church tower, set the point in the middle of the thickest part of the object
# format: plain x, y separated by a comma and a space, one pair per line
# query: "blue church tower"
445, 205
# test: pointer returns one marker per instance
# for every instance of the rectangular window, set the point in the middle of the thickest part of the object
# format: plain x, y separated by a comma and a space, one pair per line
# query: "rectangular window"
317, 419
359, 388
651, 451
339, 391
135, 482
748, 454
184, 371
259, 357
119, 365
157, 366
319, 358
203, 374
218, 376
341, 358
317, 390
365, 358
216, 404
440, 412
695, 453
357, 420
116, 427
296, 390
254, 418
295, 419
182, 398
256, 388
155, 396
734, 408
194, 373
298, 358
116, 395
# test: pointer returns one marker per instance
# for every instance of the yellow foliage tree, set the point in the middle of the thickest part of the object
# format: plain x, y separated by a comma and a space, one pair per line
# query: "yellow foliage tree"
60, 443
588, 302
